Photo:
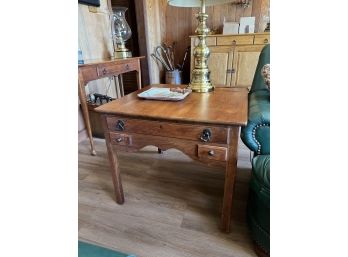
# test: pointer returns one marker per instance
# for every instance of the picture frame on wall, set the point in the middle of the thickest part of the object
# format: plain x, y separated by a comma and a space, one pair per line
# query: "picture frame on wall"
95, 3
247, 25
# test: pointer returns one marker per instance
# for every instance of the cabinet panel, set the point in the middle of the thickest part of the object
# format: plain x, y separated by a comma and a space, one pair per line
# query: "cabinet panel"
220, 61
262, 39
210, 41
233, 58
244, 63
235, 40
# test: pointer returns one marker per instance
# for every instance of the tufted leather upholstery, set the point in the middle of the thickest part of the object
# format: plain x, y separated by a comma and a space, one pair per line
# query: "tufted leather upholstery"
256, 136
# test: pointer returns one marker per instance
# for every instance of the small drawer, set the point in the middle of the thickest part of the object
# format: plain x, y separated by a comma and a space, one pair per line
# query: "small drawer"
210, 152
88, 73
261, 39
120, 139
114, 69
200, 133
235, 40
210, 41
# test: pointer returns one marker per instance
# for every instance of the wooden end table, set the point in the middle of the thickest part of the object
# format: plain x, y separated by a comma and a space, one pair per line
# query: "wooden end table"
97, 69
205, 126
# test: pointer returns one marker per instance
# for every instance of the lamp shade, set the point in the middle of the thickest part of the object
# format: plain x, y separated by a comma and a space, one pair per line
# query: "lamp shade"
196, 3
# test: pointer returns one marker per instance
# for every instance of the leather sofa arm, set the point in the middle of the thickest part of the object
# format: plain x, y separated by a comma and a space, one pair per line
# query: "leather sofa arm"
256, 134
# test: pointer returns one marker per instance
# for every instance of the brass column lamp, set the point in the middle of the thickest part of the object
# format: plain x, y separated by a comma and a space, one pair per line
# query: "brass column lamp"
200, 81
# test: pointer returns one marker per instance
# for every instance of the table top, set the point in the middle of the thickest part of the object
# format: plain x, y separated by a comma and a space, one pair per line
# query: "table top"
107, 60
223, 106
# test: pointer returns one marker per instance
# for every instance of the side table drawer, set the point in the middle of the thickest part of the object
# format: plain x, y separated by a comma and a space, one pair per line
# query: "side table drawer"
113, 69
201, 133
120, 139
210, 152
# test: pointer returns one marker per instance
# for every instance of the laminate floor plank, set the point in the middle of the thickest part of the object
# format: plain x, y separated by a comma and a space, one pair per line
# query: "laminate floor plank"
172, 204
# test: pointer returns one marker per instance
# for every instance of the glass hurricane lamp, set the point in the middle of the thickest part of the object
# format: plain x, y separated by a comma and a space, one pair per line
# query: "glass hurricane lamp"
121, 32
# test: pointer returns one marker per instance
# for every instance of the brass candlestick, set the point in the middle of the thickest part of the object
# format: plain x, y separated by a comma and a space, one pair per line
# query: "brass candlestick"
201, 75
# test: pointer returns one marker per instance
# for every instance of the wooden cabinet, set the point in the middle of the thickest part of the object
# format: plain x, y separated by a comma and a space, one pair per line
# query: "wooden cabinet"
244, 64
233, 58
220, 64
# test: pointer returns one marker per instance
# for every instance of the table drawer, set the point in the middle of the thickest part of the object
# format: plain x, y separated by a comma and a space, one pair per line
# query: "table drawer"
235, 40
209, 152
261, 39
120, 139
115, 69
202, 133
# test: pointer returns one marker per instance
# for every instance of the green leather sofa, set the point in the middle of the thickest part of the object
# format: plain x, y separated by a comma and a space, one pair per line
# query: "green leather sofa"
256, 136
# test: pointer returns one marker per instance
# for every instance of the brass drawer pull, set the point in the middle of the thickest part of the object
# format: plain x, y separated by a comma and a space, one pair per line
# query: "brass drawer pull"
118, 140
234, 42
206, 135
211, 153
265, 41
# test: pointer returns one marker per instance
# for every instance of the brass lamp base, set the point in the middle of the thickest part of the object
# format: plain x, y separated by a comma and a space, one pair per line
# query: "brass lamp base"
122, 54
201, 87
200, 82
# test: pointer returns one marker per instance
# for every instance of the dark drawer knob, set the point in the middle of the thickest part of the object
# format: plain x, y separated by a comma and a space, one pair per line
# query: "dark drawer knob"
211, 153
104, 71
206, 135
120, 125
127, 67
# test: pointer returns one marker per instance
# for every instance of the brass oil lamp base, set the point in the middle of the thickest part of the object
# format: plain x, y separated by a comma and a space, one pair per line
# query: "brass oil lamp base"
121, 52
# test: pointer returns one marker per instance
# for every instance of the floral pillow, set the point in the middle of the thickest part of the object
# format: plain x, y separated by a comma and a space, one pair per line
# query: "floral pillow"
265, 71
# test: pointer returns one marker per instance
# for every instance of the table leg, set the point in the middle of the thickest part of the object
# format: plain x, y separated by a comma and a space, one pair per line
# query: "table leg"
230, 174
115, 171
83, 101
117, 87
121, 85
139, 75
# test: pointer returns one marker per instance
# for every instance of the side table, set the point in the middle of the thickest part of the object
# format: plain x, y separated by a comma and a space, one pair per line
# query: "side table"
97, 69
203, 126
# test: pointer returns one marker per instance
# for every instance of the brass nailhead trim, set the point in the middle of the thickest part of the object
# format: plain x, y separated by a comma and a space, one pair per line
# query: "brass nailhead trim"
254, 137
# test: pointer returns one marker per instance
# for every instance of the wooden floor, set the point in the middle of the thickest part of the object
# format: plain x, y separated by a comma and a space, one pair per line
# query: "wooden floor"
172, 204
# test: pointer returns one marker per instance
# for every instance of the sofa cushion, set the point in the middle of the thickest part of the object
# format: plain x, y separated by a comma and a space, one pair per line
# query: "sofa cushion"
258, 210
261, 170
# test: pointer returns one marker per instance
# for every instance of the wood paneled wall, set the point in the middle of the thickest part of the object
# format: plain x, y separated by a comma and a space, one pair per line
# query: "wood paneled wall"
95, 42
178, 23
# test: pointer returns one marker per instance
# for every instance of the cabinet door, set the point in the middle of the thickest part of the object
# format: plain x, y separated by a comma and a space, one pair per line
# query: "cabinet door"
244, 65
220, 65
